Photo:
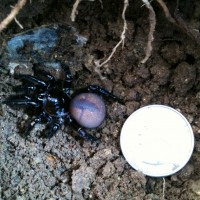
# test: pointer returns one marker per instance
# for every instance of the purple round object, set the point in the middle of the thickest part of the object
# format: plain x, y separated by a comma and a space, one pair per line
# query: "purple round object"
88, 110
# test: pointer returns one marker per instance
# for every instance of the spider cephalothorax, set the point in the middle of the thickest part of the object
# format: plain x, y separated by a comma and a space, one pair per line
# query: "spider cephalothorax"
57, 106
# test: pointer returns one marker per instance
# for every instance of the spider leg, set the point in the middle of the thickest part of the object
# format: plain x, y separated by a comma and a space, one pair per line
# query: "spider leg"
45, 74
68, 79
25, 88
21, 102
42, 117
32, 79
99, 90
82, 132
54, 127
31, 125
53, 130
86, 135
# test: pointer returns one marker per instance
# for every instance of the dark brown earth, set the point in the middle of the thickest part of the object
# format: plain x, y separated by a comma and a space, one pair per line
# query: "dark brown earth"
66, 166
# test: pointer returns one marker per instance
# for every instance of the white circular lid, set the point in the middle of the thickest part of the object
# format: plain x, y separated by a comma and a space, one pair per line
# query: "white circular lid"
157, 140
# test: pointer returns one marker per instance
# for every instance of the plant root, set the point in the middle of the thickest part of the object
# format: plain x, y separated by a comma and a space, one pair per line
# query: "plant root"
74, 10
176, 20
152, 22
20, 4
97, 63
179, 22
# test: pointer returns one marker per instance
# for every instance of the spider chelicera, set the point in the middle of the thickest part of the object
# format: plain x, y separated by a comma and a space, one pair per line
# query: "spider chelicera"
55, 104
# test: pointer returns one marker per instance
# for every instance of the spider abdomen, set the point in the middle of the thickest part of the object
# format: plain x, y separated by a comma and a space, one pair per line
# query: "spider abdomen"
88, 109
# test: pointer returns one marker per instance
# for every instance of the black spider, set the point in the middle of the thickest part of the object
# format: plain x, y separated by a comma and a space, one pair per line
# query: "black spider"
56, 106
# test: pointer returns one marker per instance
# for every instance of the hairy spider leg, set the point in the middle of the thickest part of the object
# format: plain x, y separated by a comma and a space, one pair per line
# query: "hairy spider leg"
101, 91
68, 79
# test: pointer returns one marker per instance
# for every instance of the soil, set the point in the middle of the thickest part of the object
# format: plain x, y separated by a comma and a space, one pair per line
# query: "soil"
68, 167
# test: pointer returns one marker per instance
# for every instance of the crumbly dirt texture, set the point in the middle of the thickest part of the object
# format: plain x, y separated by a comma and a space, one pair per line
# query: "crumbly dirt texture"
67, 167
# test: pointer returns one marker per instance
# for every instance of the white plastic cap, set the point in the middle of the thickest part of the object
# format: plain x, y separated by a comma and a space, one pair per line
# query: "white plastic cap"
157, 140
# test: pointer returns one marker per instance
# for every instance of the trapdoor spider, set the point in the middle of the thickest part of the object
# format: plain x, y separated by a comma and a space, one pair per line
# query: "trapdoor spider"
56, 105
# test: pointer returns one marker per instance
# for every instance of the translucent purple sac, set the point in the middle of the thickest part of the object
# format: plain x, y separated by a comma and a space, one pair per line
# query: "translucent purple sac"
88, 109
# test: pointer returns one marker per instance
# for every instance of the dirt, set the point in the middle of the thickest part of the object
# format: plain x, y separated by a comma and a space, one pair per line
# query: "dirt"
68, 167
